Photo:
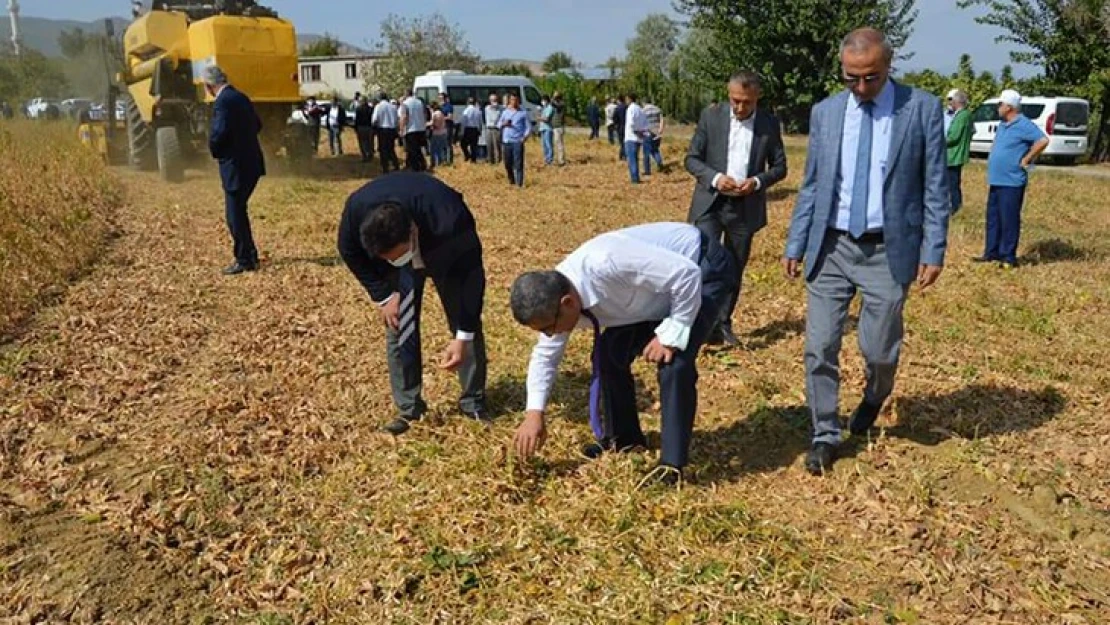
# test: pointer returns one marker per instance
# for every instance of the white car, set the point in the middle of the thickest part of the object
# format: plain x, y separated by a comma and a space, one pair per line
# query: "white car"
1063, 120
37, 107
460, 86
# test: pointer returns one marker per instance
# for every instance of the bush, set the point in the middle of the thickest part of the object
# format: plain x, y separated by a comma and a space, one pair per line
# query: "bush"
57, 200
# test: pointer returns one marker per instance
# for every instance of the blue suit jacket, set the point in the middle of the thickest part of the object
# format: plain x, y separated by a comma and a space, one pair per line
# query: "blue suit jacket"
915, 190
233, 140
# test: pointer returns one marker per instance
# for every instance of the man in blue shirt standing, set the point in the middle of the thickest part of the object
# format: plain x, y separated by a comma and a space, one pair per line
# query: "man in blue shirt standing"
515, 129
1017, 143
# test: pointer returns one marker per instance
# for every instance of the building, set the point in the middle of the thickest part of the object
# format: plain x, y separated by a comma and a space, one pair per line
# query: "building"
324, 76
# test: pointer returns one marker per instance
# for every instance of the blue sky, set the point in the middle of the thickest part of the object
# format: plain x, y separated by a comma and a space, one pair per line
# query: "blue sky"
590, 30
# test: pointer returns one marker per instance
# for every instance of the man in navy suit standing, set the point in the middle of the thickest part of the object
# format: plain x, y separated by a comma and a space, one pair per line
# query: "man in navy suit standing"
233, 141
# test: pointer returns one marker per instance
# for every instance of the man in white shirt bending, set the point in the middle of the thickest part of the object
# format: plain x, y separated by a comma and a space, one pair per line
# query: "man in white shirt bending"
654, 290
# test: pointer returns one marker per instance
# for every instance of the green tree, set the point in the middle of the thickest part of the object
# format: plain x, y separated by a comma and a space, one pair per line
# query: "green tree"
324, 46
557, 61
421, 44
507, 69
30, 75
73, 42
793, 44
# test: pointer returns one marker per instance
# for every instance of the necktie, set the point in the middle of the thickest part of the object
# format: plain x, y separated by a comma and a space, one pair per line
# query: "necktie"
408, 337
595, 380
857, 222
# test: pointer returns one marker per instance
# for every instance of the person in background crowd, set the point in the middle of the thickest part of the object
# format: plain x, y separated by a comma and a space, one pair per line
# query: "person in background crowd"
233, 141
515, 130
558, 123
610, 122
736, 156
546, 111
619, 124
471, 130
441, 137
870, 218
384, 120
314, 113
959, 129
414, 125
337, 119
448, 109
492, 120
635, 133
364, 128
593, 117
654, 142
1017, 143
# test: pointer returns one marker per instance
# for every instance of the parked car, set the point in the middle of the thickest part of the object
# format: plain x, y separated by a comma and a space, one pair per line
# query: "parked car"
460, 86
1063, 120
72, 107
43, 108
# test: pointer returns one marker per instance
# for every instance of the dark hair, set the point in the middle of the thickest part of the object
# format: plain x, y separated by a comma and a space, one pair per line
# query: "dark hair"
387, 226
746, 79
631, 96
535, 295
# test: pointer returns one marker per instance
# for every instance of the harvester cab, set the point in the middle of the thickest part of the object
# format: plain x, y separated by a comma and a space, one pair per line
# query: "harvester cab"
166, 51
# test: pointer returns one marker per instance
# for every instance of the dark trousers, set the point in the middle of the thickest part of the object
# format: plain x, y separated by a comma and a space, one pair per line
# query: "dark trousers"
365, 136
612, 130
1003, 223
239, 222
725, 220
513, 153
415, 142
620, 346
314, 135
955, 193
387, 149
470, 144
406, 381
595, 127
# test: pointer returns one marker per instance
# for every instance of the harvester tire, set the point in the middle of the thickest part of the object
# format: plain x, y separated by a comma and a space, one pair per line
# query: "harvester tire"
171, 161
140, 140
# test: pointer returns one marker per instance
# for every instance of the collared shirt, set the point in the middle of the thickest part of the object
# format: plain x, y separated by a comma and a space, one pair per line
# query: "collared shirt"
654, 116
519, 130
949, 115
635, 275
493, 115
1012, 142
635, 123
741, 134
609, 110
385, 115
413, 112
882, 118
471, 117
545, 114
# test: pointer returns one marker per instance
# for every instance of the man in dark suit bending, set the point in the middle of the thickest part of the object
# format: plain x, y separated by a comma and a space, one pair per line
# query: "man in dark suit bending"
736, 155
395, 232
233, 141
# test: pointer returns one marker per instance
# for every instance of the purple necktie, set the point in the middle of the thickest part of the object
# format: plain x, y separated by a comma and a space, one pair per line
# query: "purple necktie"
595, 380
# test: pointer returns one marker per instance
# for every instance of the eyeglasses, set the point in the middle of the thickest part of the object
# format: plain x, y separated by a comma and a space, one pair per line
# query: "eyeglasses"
550, 330
852, 80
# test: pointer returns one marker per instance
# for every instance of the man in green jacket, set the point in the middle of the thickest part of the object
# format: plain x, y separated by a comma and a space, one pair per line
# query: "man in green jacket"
959, 129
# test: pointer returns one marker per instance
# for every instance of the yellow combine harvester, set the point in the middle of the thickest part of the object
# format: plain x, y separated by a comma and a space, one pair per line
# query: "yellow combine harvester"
166, 52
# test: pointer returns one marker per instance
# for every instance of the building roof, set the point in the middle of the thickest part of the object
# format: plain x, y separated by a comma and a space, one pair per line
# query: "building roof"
342, 57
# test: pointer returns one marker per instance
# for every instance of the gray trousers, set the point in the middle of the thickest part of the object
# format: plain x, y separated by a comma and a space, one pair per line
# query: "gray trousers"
493, 145
406, 382
845, 267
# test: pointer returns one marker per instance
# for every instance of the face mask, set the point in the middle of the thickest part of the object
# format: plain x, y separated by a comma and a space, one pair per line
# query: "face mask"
402, 260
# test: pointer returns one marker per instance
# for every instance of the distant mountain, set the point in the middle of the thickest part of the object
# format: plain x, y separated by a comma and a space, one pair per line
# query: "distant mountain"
42, 34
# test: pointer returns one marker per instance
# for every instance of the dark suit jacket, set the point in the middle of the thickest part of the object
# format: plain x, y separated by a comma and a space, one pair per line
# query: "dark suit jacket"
447, 236
233, 140
708, 156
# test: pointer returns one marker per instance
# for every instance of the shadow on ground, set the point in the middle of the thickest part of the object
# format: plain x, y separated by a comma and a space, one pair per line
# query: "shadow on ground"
1053, 251
976, 411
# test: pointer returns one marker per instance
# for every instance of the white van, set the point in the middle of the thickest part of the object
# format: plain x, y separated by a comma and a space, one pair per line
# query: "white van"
459, 86
1064, 120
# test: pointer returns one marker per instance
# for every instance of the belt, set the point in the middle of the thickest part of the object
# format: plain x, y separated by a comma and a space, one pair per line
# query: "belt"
869, 237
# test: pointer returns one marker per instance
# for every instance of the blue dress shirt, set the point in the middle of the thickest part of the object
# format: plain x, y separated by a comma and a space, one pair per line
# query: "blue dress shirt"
882, 120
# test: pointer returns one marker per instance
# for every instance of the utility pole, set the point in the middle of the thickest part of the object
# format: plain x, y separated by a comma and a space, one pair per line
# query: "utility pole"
13, 12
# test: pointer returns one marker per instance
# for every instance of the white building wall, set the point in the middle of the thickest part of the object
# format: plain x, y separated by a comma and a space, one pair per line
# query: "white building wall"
334, 76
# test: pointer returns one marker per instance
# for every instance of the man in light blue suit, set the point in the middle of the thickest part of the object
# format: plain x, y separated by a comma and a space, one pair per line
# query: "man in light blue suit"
871, 217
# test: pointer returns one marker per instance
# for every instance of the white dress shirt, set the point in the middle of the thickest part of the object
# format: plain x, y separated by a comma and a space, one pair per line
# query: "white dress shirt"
472, 117
638, 274
635, 123
741, 134
385, 115
418, 264
882, 118
415, 120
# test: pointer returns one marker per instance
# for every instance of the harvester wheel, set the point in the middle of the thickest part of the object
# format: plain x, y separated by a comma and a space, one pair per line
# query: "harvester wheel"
140, 140
171, 161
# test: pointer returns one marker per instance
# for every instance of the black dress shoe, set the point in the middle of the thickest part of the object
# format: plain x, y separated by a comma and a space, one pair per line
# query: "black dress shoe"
820, 458
728, 338
478, 415
715, 337
984, 259
863, 418
593, 451
238, 268
399, 426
